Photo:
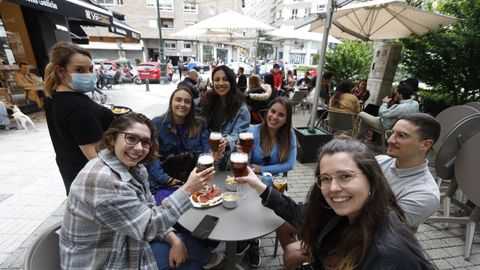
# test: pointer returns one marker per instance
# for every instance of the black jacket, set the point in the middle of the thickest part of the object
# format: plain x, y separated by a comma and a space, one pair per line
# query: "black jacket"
192, 85
389, 250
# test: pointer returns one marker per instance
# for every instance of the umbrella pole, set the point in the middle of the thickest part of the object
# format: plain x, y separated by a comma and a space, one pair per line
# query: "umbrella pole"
320, 67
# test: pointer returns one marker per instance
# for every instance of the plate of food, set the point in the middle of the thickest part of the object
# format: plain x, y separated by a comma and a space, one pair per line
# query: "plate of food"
209, 196
119, 110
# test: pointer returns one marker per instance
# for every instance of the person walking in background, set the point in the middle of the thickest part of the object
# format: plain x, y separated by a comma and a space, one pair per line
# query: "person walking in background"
406, 166
241, 80
75, 122
180, 65
111, 220
169, 70
225, 110
31, 83
343, 100
361, 92
277, 80
351, 219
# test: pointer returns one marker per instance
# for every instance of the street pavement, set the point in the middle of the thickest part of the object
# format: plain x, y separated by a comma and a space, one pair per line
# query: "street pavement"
32, 192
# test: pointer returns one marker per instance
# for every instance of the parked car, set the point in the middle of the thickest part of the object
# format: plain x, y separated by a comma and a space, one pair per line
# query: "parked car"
247, 69
198, 66
149, 70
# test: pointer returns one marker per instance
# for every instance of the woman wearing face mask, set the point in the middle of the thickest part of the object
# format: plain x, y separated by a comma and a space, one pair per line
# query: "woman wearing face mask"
75, 122
225, 110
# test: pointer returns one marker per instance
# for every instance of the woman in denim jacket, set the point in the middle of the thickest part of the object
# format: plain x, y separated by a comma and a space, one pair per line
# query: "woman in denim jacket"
182, 138
351, 219
225, 110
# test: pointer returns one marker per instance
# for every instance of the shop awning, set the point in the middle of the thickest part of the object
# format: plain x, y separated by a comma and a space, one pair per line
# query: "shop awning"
121, 28
75, 10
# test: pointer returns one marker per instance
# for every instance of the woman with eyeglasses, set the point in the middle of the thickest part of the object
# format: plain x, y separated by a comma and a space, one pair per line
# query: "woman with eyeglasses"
351, 219
182, 138
111, 220
75, 122
225, 110
275, 144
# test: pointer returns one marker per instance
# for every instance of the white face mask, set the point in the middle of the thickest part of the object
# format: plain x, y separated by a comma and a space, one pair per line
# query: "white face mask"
83, 82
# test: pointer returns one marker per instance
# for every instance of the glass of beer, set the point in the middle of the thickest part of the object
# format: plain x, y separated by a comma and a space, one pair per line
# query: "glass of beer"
214, 141
280, 183
239, 162
204, 161
246, 141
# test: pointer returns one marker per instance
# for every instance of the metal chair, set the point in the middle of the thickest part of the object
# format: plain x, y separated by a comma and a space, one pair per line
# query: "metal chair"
297, 100
342, 121
44, 253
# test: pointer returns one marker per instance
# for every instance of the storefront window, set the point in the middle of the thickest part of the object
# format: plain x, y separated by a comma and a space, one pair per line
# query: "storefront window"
6, 54
207, 51
14, 39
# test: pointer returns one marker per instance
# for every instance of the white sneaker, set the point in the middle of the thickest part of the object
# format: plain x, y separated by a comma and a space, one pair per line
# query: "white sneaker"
216, 260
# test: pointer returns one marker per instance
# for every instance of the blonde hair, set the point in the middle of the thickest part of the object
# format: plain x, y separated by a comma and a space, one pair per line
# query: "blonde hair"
60, 56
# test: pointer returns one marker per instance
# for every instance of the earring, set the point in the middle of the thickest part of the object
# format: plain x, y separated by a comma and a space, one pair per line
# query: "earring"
369, 193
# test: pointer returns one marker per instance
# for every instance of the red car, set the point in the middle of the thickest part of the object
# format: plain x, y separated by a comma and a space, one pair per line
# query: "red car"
149, 70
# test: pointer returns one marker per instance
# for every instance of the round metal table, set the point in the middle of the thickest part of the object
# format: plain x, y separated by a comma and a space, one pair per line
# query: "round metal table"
460, 133
249, 220
448, 118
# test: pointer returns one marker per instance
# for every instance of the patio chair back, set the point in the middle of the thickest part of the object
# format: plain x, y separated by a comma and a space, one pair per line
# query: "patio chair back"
341, 121
44, 253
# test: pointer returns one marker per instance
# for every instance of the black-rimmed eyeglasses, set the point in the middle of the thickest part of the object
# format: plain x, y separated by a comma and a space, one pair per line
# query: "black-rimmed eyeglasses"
134, 139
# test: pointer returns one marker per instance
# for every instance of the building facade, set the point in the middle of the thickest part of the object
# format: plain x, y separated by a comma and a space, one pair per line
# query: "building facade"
288, 14
176, 15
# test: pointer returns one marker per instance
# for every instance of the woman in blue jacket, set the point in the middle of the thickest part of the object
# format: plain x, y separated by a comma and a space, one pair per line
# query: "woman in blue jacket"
351, 219
182, 138
225, 110
275, 144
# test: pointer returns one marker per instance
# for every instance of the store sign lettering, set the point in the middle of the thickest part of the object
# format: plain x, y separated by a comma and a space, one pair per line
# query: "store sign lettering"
96, 17
118, 30
45, 3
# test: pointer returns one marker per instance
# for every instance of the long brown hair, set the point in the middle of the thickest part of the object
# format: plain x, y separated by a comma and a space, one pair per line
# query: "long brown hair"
355, 240
253, 81
234, 97
60, 56
342, 88
192, 123
121, 124
284, 133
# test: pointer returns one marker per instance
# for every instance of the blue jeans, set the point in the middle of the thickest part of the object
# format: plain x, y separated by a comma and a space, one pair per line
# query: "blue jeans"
198, 255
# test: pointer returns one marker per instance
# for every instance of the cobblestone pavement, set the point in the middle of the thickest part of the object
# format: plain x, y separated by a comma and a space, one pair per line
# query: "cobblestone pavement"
32, 192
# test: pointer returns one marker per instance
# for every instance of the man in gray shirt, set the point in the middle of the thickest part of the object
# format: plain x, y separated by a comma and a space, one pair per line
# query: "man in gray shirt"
406, 168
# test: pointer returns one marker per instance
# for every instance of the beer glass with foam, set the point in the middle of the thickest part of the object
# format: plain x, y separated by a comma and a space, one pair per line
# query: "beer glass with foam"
246, 141
214, 141
204, 161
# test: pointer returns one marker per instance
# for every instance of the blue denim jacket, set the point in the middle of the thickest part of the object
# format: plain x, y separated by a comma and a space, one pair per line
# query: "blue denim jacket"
232, 129
273, 165
169, 142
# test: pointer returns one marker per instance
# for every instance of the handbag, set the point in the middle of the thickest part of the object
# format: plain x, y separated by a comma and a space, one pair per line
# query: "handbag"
178, 165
